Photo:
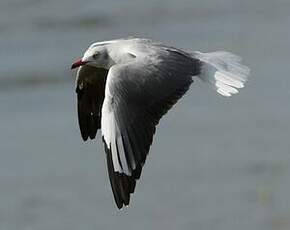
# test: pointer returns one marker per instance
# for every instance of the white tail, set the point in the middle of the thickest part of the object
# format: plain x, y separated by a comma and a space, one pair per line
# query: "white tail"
223, 71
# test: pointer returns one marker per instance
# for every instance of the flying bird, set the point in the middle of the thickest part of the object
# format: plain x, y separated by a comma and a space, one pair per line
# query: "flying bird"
125, 86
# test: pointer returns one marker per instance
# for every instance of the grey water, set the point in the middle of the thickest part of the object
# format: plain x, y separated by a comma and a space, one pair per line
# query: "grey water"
216, 163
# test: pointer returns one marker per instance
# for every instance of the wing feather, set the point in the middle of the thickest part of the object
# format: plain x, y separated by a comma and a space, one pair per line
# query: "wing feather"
137, 95
90, 89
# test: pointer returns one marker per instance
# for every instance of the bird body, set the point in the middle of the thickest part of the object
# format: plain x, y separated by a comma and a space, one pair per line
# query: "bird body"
125, 86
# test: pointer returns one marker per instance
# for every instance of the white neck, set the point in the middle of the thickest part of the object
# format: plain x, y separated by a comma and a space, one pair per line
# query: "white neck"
119, 56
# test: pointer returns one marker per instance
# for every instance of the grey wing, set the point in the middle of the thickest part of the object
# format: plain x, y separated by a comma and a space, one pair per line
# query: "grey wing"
137, 96
90, 89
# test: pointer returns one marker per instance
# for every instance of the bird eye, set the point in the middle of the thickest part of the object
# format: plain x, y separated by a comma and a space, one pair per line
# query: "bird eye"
95, 56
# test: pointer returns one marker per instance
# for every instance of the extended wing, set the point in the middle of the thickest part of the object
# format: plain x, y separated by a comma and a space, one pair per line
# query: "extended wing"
90, 89
137, 95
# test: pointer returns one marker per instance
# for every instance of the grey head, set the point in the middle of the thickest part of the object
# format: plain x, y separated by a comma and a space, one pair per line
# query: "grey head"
95, 56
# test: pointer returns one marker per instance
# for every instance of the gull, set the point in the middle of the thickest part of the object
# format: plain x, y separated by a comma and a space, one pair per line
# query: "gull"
125, 86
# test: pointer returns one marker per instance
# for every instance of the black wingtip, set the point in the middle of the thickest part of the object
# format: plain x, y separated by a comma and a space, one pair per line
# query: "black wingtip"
84, 136
122, 185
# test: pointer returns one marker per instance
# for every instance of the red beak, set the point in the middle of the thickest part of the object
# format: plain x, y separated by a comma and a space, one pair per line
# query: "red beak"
78, 63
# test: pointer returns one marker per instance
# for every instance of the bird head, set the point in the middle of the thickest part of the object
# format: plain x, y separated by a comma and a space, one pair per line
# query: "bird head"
96, 56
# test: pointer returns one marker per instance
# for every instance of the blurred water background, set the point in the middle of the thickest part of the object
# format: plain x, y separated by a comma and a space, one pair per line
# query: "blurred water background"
216, 163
